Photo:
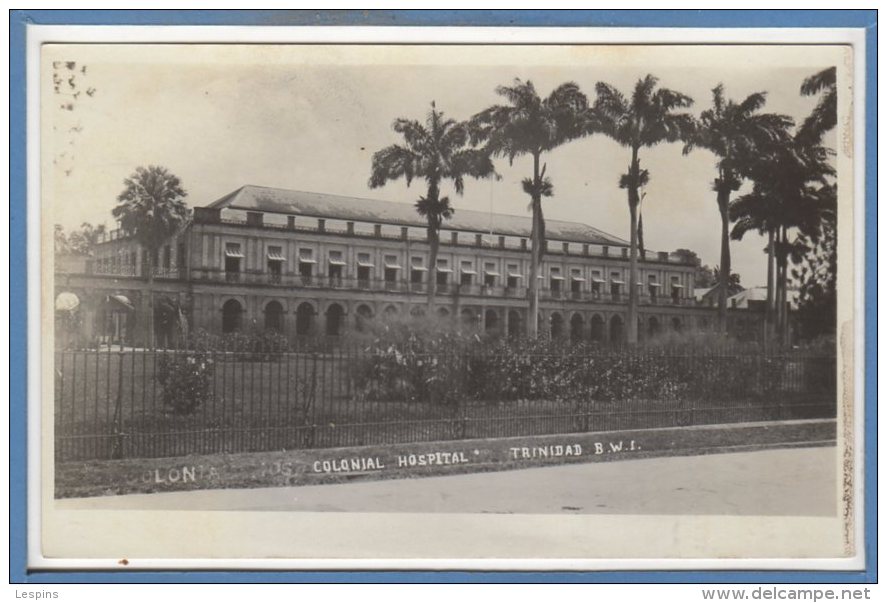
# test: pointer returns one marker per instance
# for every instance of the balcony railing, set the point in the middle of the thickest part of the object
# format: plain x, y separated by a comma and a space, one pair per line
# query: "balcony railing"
160, 272
323, 281
554, 247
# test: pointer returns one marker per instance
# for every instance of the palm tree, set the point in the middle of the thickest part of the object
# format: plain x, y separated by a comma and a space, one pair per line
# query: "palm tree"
737, 134
791, 196
151, 209
435, 151
757, 211
824, 116
645, 119
532, 125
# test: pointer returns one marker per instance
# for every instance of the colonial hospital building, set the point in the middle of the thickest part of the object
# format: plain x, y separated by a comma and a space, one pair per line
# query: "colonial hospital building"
309, 264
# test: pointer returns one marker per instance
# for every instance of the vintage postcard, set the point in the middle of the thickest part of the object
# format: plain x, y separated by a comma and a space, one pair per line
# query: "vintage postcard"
557, 303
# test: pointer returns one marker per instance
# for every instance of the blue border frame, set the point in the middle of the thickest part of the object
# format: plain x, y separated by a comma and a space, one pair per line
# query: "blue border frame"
19, 20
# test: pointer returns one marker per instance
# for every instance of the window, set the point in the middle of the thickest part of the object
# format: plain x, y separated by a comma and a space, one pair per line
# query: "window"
653, 286
596, 282
233, 256
417, 270
556, 280
336, 265
392, 267
513, 276
275, 261
306, 263
167, 257
616, 283
364, 269
443, 272
490, 274
676, 287
576, 280
466, 273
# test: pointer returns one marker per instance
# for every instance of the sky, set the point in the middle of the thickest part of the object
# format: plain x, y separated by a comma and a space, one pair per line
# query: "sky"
310, 118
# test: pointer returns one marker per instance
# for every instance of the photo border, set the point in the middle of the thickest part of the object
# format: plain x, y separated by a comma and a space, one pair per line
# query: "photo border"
19, 315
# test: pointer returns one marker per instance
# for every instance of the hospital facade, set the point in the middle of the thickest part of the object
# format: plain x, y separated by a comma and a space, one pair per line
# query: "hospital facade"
309, 264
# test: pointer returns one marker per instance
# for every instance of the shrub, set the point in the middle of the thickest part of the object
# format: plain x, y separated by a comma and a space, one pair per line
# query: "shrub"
186, 379
413, 360
253, 346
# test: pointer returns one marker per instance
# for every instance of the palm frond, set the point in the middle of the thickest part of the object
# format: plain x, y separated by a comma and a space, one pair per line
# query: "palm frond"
391, 163
822, 80
544, 189
822, 118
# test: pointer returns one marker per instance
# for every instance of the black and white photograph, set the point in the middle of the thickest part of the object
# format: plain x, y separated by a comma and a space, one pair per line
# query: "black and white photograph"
465, 301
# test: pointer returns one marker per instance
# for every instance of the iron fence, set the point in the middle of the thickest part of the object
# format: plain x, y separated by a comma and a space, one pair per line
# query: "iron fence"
118, 403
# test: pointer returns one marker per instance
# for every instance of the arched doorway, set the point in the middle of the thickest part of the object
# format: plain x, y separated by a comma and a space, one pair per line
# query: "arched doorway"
443, 312
468, 317
67, 318
577, 325
653, 327
676, 325
274, 316
617, 329
557, 325
515, 324
335, 316
390, 312
166, 318
304, 319
116, 317
363, 316
597, 328
232, 316
491, 321
417, 311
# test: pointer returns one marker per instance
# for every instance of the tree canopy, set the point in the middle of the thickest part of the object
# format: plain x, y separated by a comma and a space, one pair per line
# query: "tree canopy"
824, 116
151, 206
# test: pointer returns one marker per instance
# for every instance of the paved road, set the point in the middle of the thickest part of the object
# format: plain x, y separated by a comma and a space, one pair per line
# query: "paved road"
796, 481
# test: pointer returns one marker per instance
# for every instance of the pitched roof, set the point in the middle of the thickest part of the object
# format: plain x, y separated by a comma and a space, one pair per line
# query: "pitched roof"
759, 294
700, 292
746, 295
320, 205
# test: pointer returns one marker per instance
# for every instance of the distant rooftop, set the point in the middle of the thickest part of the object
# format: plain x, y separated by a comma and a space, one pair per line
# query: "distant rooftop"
320, 205
759, 294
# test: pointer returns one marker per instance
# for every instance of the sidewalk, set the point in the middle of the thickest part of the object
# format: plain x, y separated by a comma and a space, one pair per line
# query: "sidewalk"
794, 481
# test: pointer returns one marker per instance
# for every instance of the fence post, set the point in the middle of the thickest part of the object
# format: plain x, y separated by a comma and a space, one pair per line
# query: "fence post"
311, 401
117, 452
461, 413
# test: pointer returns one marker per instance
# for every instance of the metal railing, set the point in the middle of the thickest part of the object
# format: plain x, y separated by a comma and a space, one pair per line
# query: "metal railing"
323, 281
114, 403
511, 243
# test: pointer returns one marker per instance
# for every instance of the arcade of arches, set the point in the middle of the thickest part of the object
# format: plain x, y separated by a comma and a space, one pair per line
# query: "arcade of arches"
336, 318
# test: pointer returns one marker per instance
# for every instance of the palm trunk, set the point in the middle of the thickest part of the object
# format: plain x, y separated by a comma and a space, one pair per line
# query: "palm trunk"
536, 254
148, 301
724, 285
633, 202
786, 327
434, 245
771, 278
433, 242
781, 287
